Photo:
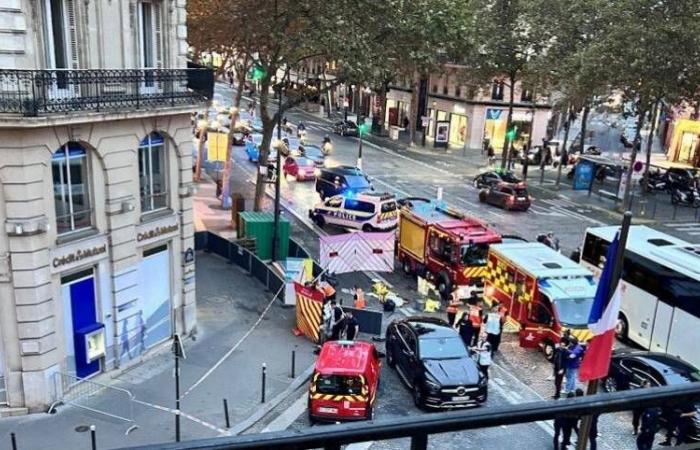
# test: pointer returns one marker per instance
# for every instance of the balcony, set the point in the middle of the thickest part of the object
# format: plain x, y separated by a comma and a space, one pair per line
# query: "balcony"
36, 93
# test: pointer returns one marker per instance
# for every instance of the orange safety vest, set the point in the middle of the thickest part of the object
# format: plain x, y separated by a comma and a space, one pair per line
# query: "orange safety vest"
328, 289
454, 304
475, 315
360, 302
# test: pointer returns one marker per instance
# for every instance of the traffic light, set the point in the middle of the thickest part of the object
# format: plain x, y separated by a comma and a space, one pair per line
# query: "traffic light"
363, 128
257, 73
510, 134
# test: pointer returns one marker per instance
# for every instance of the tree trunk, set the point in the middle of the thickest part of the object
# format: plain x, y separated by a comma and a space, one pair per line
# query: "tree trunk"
567, 126
508, 145
584, 121
414, 109
240, 78
626, 201
268, 128
381, 113
225, 182
650, 142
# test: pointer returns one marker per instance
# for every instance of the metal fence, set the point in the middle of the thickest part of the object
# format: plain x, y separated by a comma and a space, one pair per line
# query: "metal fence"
39, 92
113, 402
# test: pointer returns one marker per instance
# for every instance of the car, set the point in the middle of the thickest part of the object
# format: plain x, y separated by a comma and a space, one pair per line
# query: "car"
345, 128
508, 196
341, 180
432, 360
252, 147
344, 382
491, 177
366, 211
534, 156
314, 153
629, 368
299, 168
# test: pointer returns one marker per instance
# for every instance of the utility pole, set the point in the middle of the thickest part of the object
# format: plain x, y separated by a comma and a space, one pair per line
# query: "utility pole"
178, 352
278, 159
615, 279
360, 132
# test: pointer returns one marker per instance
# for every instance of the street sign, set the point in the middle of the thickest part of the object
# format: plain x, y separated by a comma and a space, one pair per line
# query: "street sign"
425, 121
583, 175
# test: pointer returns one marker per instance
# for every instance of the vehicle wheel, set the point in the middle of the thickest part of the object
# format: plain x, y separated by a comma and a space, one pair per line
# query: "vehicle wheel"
367, 227
610, 384
548, 350
444, 285
312, 419
370, 413
418, 396
622, 328
320, 221
482, 197
390, 360
407, 268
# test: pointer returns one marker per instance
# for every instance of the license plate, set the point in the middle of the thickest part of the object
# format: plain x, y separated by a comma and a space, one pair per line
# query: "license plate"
323, 409
463, 398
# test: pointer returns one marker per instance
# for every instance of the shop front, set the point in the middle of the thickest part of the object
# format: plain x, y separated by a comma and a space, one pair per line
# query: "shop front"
683, 145
495, 127
458, 129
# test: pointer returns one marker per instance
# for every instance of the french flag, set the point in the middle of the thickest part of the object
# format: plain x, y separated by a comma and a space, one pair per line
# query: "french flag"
602, 321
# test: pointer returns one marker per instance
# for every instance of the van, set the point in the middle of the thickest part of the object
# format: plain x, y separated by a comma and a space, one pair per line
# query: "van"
344, 382
366, 212
341, 180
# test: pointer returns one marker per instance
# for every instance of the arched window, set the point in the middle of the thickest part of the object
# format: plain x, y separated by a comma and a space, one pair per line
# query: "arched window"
154, 194
71, 188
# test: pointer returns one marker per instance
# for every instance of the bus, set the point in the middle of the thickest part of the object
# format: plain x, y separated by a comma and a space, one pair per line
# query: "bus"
660, 307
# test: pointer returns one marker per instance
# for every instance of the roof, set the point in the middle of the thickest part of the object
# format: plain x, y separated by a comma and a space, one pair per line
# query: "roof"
428, 327
381, 196
539, 260
563, 288
660, 247
344, 170
344, 357
452, 221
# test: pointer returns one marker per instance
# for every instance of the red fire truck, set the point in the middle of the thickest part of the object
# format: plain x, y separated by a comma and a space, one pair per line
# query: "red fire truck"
444, 245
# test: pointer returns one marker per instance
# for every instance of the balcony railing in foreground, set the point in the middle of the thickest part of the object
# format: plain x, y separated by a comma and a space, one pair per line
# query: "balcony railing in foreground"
419, 428
31, 93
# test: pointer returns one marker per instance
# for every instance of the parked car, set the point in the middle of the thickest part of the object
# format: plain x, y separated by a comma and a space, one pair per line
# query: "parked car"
432, 360
534, 156
508, 196
491, 177
300, 168
252, 147
342, 180
345, 128
364, 211
628, 369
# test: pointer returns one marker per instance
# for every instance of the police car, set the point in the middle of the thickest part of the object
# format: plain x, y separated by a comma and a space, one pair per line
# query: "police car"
365, 211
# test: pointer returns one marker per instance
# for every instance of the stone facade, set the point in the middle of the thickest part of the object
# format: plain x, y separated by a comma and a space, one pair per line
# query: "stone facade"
38, 265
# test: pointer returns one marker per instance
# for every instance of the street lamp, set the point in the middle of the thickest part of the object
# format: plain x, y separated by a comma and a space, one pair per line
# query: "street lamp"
278, 160
361, 129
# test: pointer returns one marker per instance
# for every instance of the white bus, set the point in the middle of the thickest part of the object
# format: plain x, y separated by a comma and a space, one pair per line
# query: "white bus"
660, 309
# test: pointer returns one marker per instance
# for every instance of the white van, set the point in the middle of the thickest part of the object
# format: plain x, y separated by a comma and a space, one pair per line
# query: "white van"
365, 211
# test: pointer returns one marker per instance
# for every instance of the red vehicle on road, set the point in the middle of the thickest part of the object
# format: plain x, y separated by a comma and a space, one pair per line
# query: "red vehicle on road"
300, 168
344, 383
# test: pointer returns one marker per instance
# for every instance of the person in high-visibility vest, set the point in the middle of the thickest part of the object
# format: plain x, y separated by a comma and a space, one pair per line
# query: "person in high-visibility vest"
475, 315
328, 290
359, 298
453, 306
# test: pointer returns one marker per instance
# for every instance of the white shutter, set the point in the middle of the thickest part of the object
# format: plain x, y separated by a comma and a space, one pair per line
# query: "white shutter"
158, 33
72, 35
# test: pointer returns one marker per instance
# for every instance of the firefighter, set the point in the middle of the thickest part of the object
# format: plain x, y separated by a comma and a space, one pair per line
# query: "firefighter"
475, 315
328, 290
453, 306
359, 298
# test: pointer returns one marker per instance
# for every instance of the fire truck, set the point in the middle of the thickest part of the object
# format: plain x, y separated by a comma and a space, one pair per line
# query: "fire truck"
546, 293
444, 245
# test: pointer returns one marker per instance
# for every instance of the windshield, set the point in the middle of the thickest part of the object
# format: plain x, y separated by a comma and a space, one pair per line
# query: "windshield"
520, 192
305, 162
389, 206
338, 385
509, 178
442, 348
474, 254
312, 151
573, 311
356, 182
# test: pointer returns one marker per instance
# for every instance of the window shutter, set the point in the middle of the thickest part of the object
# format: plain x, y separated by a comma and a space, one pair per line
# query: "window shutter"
158, 33
71, 24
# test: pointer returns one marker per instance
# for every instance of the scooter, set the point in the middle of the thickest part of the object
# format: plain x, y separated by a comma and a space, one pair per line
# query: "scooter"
688, 197
327, 148
656, 183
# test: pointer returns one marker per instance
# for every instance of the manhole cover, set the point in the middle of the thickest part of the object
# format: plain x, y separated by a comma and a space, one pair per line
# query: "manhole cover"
82, 428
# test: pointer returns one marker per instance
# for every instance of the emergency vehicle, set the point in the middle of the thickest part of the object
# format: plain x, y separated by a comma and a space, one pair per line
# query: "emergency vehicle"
344, 382
544, 292
366, 211
445, 246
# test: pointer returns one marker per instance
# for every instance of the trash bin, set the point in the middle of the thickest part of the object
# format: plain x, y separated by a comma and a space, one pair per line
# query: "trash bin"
237, 207
394, 133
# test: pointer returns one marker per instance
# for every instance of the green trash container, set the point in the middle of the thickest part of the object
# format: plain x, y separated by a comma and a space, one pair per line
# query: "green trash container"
259, 226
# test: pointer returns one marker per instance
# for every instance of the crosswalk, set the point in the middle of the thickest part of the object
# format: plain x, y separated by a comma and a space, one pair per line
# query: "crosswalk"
691, 228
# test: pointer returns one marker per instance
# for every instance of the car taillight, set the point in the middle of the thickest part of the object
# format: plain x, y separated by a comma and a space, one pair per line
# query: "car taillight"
511, 199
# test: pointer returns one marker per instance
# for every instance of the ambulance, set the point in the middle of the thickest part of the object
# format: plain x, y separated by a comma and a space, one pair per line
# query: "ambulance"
546, 294
367, 211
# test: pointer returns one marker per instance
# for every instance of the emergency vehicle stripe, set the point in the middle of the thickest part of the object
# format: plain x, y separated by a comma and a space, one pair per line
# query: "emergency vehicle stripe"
582, 334
475, 272
309, 316
339, 398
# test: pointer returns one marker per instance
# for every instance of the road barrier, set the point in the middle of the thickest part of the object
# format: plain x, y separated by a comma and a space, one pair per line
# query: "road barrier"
113, 402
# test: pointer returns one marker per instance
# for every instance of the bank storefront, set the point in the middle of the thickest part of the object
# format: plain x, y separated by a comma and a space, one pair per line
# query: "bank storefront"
495, 127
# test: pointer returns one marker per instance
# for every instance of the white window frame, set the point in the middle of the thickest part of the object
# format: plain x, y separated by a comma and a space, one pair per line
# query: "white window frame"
87, 186
147, 176
54, 90
150, 87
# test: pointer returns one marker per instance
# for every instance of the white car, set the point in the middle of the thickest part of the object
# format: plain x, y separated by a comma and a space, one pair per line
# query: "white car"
365, 211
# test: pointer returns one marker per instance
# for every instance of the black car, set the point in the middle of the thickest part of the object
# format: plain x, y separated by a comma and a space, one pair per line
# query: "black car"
314, 153
628, 369
493, 177
431, 359
506, 195
345, 128
341, 180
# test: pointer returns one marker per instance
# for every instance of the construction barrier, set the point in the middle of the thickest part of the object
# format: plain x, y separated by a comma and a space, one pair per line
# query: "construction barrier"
369, 320
309, 311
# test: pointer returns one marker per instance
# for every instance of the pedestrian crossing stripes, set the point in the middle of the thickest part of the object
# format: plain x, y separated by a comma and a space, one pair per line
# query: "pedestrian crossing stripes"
691, 228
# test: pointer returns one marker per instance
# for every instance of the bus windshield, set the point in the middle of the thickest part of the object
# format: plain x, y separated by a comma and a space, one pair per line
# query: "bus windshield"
338, 385
474, 254
573, 311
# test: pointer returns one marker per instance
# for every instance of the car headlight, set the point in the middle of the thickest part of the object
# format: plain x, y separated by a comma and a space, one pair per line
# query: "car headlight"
483, 381
432, 386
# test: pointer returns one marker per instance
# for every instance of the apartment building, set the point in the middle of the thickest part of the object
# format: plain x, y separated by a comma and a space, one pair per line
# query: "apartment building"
96, 243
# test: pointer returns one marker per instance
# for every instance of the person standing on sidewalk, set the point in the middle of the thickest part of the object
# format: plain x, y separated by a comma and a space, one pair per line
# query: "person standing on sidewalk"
483, 355
352, 328
573, 362
337, 321
358, 297
650, 426
475, 315
637, 413
492, 323
453, 306
466, 330
558, 366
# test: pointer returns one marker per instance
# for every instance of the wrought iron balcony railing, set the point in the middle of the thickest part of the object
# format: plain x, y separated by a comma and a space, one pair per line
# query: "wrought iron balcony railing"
31, 93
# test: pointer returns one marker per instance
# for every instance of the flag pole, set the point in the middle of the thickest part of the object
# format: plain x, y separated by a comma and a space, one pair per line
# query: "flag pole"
592, 389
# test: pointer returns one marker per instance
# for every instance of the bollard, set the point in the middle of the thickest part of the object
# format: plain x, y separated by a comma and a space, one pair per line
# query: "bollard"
264, 373
228, 420
294, 357
13, 439
675, 210
93, 438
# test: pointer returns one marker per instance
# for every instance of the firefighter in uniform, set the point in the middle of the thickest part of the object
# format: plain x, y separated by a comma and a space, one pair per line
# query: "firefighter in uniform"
359, 298
453, 306
476, 316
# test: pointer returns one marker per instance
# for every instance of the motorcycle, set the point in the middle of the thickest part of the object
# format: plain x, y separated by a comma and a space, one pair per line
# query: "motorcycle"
688, 197
301, 134
327, 147
656, 183
549, 240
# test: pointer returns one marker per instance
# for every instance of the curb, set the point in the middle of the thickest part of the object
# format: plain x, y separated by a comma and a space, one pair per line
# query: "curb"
260, 413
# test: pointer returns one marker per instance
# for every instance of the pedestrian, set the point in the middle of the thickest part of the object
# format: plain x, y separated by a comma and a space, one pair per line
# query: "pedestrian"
483, 355
558, 366
637, 413
491, 153
406, 122
485, 145
328, 290
475, 315
453, 306
649, 428
593, 432
493, 326
672, 417
686, 424
573, 362
327, 320
352, 327
466, 330
359, 298
563, 428
337, 320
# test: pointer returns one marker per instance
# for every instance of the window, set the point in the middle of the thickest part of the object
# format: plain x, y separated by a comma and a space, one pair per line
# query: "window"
334, 202
497, 90
70, 169
152, 173
408, 337
526, 95
445, 90
60, 38
434, 89
357, 205
150, 38
458, 91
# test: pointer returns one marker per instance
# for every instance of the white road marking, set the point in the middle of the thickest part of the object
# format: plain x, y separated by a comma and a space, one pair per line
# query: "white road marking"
284, 420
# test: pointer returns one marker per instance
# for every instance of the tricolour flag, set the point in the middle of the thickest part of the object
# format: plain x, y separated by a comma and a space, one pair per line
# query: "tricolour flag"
602, 321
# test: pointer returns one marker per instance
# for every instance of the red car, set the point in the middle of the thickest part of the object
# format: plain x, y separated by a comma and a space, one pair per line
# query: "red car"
300, 168
508, 196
